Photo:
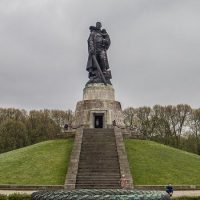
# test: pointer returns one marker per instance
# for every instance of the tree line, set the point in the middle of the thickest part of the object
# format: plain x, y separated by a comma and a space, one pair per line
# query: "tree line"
19, 128
177, 126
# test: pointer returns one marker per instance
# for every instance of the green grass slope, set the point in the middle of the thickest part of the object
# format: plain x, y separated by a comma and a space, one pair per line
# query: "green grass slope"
153, 163
42, 163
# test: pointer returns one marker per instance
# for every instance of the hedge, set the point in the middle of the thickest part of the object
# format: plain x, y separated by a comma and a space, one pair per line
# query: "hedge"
15, 196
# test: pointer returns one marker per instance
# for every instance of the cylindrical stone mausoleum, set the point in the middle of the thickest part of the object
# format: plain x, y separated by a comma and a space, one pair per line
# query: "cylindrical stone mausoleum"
98, 109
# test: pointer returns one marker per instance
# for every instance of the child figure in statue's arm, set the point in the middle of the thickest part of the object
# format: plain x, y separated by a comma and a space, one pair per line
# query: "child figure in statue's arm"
106, 39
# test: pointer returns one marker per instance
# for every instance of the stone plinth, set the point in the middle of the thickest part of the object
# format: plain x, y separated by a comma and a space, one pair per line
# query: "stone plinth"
98, 99
98, 91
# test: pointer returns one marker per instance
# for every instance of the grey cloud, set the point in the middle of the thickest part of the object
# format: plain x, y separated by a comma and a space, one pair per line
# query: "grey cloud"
154, 54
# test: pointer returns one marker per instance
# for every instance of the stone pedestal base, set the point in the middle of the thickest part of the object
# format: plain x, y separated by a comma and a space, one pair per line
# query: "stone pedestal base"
98, 102
99, 91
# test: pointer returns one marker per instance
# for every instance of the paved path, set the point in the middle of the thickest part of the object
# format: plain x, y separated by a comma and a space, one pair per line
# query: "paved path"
15, 191
186, 193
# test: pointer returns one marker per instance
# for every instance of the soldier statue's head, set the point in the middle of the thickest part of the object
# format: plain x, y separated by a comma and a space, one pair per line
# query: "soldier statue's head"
98, 25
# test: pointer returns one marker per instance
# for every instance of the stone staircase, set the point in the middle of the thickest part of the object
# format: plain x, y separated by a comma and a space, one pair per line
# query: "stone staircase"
98, 163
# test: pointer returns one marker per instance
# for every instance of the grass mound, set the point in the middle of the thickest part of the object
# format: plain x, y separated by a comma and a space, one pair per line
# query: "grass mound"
152, 163
44, 163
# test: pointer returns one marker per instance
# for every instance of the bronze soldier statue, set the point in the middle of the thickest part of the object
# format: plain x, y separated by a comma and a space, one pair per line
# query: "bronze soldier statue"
97, 65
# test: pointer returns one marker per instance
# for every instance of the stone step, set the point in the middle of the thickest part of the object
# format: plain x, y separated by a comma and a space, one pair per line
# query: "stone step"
103, 167
109, 138
93, 180
103, 154
99, 162
99, 155
99, 140
96, 151
88, 154
92, 172
96, 168
99, 174
99, 144
98, 186
93, 143
98, 134
97, 181
99, 177
99, 137
92, 136
103, 147
111, 182
98, 165
98, 129
85, 152
98, 158
83, 171
100, 148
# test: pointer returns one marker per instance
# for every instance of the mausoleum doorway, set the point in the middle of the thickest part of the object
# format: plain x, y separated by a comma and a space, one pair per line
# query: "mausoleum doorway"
98, 120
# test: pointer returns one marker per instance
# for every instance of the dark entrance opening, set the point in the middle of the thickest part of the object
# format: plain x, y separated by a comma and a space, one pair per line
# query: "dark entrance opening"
98, 121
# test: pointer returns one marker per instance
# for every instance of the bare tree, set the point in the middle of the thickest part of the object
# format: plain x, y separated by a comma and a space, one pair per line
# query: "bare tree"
129, 117
194, 122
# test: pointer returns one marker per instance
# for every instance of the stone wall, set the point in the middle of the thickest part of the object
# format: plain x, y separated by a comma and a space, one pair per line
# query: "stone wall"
70, 180
123, 160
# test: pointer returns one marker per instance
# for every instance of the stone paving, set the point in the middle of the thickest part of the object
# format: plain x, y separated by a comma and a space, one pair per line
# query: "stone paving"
15, 191
186, 193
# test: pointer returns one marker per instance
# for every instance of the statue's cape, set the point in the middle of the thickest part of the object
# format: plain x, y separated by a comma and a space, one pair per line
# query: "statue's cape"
89, 62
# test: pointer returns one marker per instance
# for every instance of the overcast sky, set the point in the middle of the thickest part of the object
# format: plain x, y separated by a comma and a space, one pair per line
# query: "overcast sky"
154, 54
